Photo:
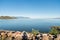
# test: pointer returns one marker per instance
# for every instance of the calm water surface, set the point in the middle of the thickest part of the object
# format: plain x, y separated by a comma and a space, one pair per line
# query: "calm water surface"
43, 25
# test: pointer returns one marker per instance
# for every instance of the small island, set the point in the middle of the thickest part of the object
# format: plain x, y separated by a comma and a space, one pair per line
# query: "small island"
7, 17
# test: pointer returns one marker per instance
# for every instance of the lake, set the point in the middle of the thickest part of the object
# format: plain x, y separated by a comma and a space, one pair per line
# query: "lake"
43, 25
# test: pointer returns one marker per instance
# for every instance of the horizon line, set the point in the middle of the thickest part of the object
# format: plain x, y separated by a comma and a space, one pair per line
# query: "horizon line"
34, 17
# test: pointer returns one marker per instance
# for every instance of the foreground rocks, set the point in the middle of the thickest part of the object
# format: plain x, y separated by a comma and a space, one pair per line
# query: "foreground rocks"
12, 35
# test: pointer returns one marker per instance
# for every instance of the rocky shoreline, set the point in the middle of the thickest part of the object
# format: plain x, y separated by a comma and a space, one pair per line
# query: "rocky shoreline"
17, 35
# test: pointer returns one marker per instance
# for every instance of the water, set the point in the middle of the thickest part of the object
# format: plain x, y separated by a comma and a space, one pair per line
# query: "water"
43, 25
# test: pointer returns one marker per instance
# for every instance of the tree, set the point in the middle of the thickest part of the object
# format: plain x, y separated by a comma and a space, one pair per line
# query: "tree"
54, 31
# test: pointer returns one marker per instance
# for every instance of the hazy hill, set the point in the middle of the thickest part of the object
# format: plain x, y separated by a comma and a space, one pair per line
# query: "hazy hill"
11, 17
7, 17
23, 17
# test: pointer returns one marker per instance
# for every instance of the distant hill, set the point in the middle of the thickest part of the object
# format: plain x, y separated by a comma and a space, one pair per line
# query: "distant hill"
11, 17
56, 18
7, 17
23, 17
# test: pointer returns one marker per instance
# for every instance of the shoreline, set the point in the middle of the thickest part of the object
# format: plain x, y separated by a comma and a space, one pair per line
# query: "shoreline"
17, 35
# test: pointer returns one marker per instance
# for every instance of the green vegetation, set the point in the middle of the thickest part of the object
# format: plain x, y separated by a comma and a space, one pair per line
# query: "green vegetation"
55, 30
35, 31
7, 17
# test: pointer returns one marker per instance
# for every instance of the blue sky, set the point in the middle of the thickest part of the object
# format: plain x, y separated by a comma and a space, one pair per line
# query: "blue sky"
30, 8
